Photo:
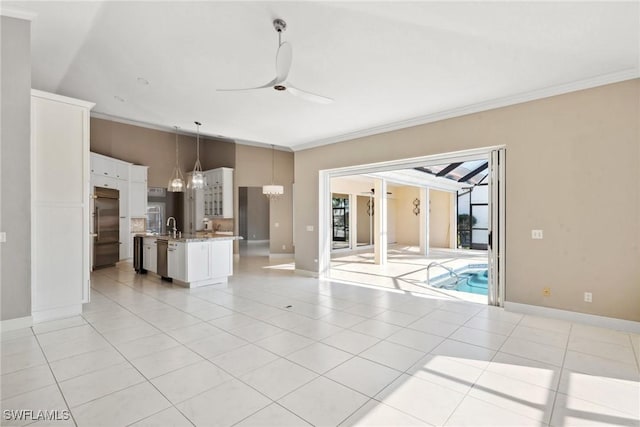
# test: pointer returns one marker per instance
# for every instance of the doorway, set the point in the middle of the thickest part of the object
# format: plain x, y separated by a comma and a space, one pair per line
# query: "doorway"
474, 176
253, 222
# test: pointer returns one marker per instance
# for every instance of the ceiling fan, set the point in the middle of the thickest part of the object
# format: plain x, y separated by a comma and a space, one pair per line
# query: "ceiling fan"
283, 66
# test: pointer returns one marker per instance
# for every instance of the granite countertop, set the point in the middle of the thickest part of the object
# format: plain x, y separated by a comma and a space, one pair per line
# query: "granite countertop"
197, 237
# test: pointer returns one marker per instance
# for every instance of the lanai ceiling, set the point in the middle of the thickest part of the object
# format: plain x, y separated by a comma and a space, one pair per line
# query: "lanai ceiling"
386, 64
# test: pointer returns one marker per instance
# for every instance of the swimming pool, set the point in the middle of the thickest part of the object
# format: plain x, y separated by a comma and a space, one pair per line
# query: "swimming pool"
473, 278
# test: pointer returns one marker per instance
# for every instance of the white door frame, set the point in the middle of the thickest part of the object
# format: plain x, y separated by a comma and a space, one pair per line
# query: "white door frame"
496, 227
324, 196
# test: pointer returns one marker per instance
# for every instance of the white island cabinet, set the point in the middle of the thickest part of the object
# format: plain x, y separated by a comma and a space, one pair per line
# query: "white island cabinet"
200, 262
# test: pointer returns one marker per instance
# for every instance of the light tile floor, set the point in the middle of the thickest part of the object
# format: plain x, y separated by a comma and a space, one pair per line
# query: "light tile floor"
276, 349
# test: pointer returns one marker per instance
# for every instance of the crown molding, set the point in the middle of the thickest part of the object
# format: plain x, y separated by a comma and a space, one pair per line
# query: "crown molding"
170, 129
18, 14
547, 92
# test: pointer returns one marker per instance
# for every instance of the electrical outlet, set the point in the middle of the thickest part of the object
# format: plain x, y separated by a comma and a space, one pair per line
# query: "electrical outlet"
276, 225
588, 297
546, 292
284, 247
309, 227
536, 234
3, 237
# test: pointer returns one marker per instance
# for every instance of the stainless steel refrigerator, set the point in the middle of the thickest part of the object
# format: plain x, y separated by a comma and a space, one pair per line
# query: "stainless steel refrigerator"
106, 221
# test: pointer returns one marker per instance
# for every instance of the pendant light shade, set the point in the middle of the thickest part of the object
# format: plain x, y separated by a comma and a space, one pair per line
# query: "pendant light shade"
197, 177
176, 182
273, 191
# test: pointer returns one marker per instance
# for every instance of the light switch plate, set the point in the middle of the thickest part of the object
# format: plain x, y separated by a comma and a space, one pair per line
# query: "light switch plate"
536, 234
3, 236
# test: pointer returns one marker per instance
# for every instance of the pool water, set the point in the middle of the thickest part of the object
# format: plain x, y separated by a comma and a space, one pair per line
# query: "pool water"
475, 282
473, 279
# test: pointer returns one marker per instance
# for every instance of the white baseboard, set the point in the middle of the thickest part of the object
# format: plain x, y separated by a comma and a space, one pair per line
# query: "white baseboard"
306, 273
573, 316
17, 323
56, 313
281, 255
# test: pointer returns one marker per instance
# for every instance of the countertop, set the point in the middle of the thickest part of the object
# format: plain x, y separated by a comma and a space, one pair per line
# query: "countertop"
197, 237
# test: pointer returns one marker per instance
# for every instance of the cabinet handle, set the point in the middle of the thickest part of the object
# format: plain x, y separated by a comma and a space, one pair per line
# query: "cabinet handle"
105, 173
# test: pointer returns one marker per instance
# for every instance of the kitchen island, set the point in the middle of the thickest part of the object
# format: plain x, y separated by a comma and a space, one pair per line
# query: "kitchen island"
191, 260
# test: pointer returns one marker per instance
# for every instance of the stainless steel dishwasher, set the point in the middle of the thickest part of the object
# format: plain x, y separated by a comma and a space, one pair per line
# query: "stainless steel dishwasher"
138, 253
162, 258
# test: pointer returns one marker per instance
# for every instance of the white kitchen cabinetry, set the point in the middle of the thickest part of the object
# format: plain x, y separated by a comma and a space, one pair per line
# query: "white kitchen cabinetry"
104, 181
198, 261
193, 209
150, 255
102, 165
218, 193
221, 259
122, 170
60, 207
138, 191
201, 262
126, 243
176, 257
131, 182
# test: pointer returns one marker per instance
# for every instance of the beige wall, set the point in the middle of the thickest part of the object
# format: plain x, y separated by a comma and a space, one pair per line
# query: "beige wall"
440, 218
253, 169
156, 149
408, 224
363, 220
573, 170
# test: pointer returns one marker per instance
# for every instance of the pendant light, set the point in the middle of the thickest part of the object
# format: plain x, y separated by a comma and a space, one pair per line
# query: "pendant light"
176, 182
273, 191
197, 177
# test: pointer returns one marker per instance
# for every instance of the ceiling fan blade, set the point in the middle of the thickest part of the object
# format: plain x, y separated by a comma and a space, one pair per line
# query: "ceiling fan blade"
270, 84
283, 62
308, 95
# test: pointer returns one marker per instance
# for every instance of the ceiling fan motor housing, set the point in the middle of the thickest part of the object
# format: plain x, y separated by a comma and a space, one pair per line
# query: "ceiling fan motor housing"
279, 25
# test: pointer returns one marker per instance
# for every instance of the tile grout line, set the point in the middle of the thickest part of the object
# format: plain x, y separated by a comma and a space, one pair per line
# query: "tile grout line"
141, 374
564, 358
73, 418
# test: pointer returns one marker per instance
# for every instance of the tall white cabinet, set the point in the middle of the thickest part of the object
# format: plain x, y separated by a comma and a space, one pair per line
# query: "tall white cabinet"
60, 233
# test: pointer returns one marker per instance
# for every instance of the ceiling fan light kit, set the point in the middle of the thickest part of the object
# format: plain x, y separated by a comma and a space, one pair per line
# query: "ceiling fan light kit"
280, 83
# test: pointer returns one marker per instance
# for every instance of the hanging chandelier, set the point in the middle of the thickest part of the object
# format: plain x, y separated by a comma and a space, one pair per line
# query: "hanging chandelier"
197, 177
176, 182
273, 191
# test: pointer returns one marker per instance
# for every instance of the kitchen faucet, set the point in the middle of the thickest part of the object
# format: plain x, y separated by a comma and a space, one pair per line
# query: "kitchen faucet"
174, 229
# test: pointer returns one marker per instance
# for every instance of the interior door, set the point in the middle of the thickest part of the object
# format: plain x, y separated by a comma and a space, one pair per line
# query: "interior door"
496, 244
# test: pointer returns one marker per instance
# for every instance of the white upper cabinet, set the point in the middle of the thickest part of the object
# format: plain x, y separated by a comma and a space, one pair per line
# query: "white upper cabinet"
122, 170
102, 165
218, 193
138, 173
138, 191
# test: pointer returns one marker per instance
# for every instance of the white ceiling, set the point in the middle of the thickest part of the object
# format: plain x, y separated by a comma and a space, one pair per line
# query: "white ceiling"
386, 64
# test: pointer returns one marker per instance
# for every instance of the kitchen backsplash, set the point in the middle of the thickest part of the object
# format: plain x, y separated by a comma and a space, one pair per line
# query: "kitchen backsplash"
223, 224
138, 225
